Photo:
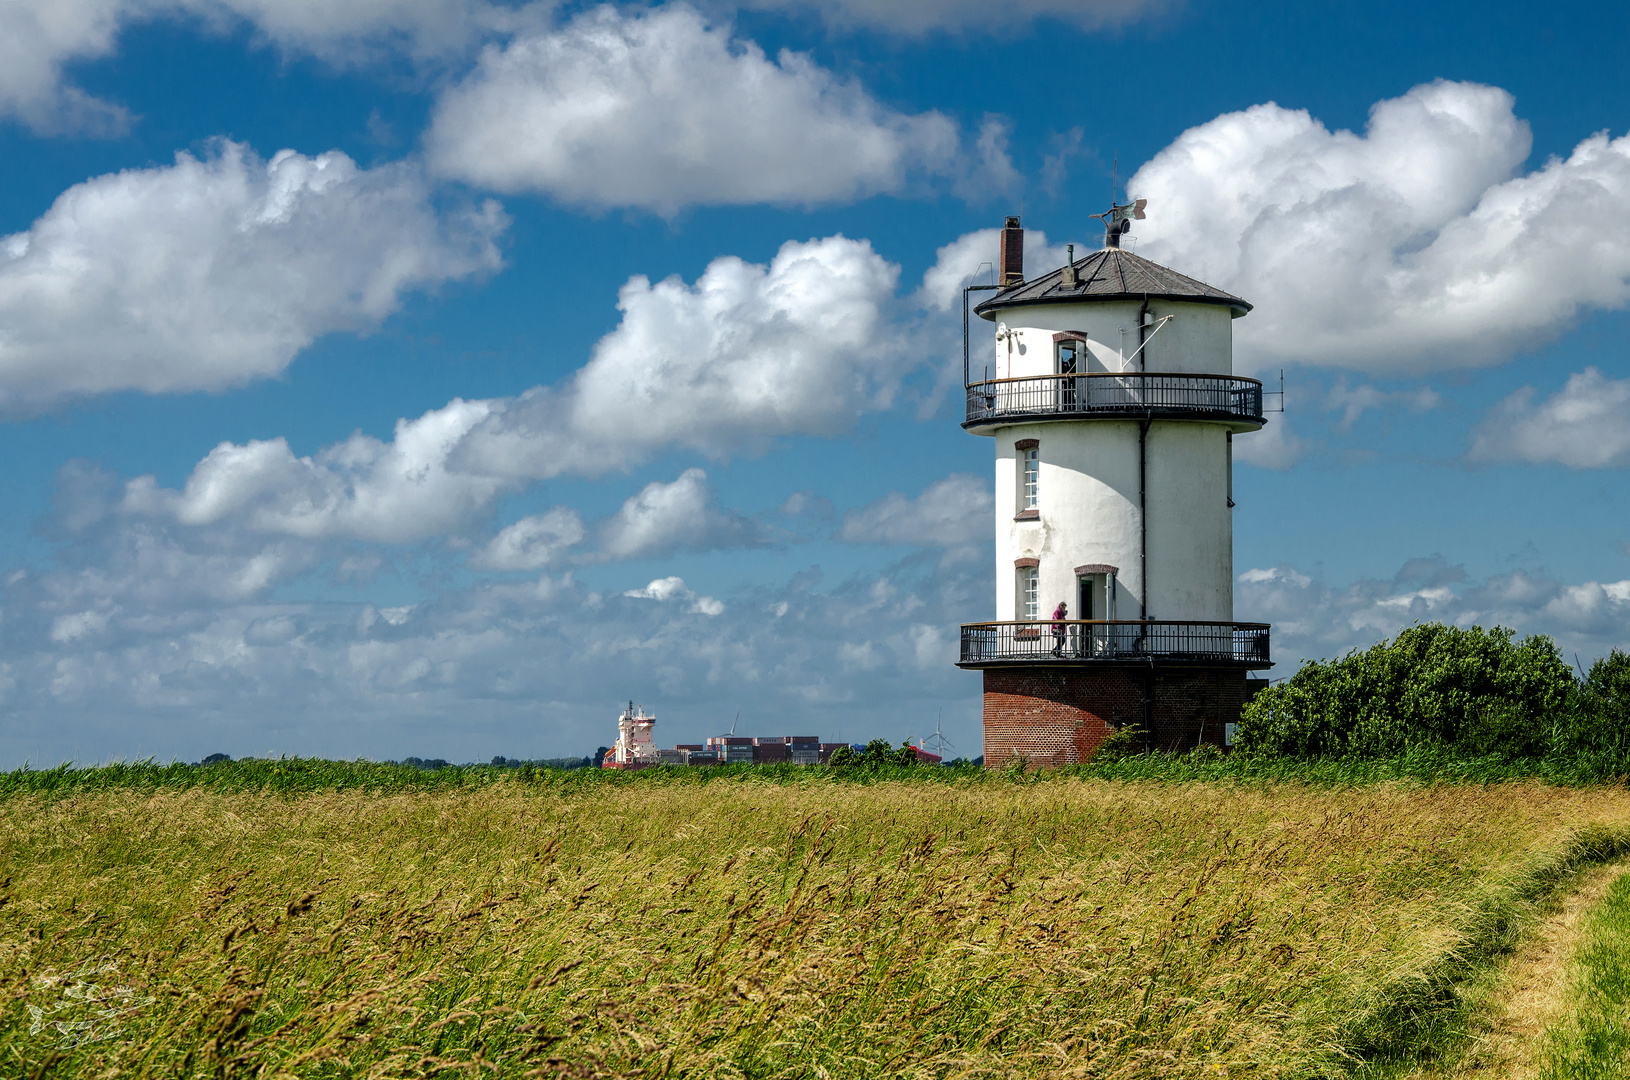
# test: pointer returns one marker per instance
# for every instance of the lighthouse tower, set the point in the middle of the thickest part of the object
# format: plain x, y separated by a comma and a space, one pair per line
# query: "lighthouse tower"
1113, 407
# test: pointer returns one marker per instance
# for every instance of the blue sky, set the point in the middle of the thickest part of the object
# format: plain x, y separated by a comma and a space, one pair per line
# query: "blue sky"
428, 377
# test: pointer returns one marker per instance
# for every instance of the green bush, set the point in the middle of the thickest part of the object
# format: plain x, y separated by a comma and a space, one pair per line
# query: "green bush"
1433, 686
1597, 723
877, 755
1123, 743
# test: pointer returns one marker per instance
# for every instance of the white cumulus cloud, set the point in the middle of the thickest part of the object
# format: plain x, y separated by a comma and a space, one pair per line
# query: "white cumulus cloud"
747, 354
362, 488
674, 588
1416, 245
156, 573
524, 668
215, 271
36, 38
972, 255
39, 38
658, 110
950, 512
724, 366
661, 518
1585, 425
66, 628
1312, 619
533, 542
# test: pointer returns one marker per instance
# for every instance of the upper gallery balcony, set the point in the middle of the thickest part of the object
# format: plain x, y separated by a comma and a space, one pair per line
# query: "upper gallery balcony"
1132, 395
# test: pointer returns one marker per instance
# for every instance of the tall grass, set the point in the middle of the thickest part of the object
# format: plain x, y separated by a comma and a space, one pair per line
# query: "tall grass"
1428, 765
767, 924
284, 775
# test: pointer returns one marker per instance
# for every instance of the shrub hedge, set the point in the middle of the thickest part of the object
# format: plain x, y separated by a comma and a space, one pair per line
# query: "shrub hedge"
1435, 687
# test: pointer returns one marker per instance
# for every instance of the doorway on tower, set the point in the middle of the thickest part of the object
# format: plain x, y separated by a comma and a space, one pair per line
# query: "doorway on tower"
1095, 600
1068, 360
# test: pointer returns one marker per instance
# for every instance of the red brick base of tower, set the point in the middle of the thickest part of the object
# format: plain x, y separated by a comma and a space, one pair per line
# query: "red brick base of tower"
1056, 715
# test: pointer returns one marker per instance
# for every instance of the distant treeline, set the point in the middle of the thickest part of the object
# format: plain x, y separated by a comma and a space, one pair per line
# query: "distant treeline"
297, 775
498, 762
1437, 688
590, 762
877, 754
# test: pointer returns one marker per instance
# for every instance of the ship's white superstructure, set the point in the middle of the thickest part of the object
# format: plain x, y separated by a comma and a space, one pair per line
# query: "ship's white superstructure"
635, 746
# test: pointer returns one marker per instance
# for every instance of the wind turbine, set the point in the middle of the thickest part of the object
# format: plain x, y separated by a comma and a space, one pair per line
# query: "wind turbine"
937, 743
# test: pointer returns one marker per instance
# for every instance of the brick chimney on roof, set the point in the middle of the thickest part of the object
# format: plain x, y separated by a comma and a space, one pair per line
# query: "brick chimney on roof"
1012, 253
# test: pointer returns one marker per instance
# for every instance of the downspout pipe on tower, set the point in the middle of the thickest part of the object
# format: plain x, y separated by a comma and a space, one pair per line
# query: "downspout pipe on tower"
1143, 471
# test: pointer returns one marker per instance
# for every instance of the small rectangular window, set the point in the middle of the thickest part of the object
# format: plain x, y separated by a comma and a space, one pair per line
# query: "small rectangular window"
1029, 594
1031, 481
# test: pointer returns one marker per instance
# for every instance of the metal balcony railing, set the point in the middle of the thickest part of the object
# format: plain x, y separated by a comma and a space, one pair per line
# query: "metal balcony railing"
1132, 394
1074, 641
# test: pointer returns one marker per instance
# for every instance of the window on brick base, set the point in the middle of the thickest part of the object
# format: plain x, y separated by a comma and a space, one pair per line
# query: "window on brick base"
1029, 594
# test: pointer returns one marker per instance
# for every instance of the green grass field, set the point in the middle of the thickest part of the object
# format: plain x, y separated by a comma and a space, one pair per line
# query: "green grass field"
367, 922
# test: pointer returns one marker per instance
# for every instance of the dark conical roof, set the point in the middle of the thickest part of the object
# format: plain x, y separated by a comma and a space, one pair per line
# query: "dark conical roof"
1111, 274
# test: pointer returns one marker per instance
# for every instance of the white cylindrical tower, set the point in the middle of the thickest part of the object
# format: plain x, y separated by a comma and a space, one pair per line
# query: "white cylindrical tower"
1113, 405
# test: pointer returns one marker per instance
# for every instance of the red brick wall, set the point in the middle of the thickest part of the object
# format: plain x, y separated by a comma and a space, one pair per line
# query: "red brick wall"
1057, 716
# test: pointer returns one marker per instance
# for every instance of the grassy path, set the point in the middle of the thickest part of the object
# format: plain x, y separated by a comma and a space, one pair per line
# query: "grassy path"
1514, 1005
1591, 1039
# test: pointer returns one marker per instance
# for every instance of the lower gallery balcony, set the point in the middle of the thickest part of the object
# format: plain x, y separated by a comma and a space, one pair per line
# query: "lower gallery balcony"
1078, 642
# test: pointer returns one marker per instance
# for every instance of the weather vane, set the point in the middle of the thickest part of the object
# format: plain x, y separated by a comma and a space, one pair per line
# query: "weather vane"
1118, 219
